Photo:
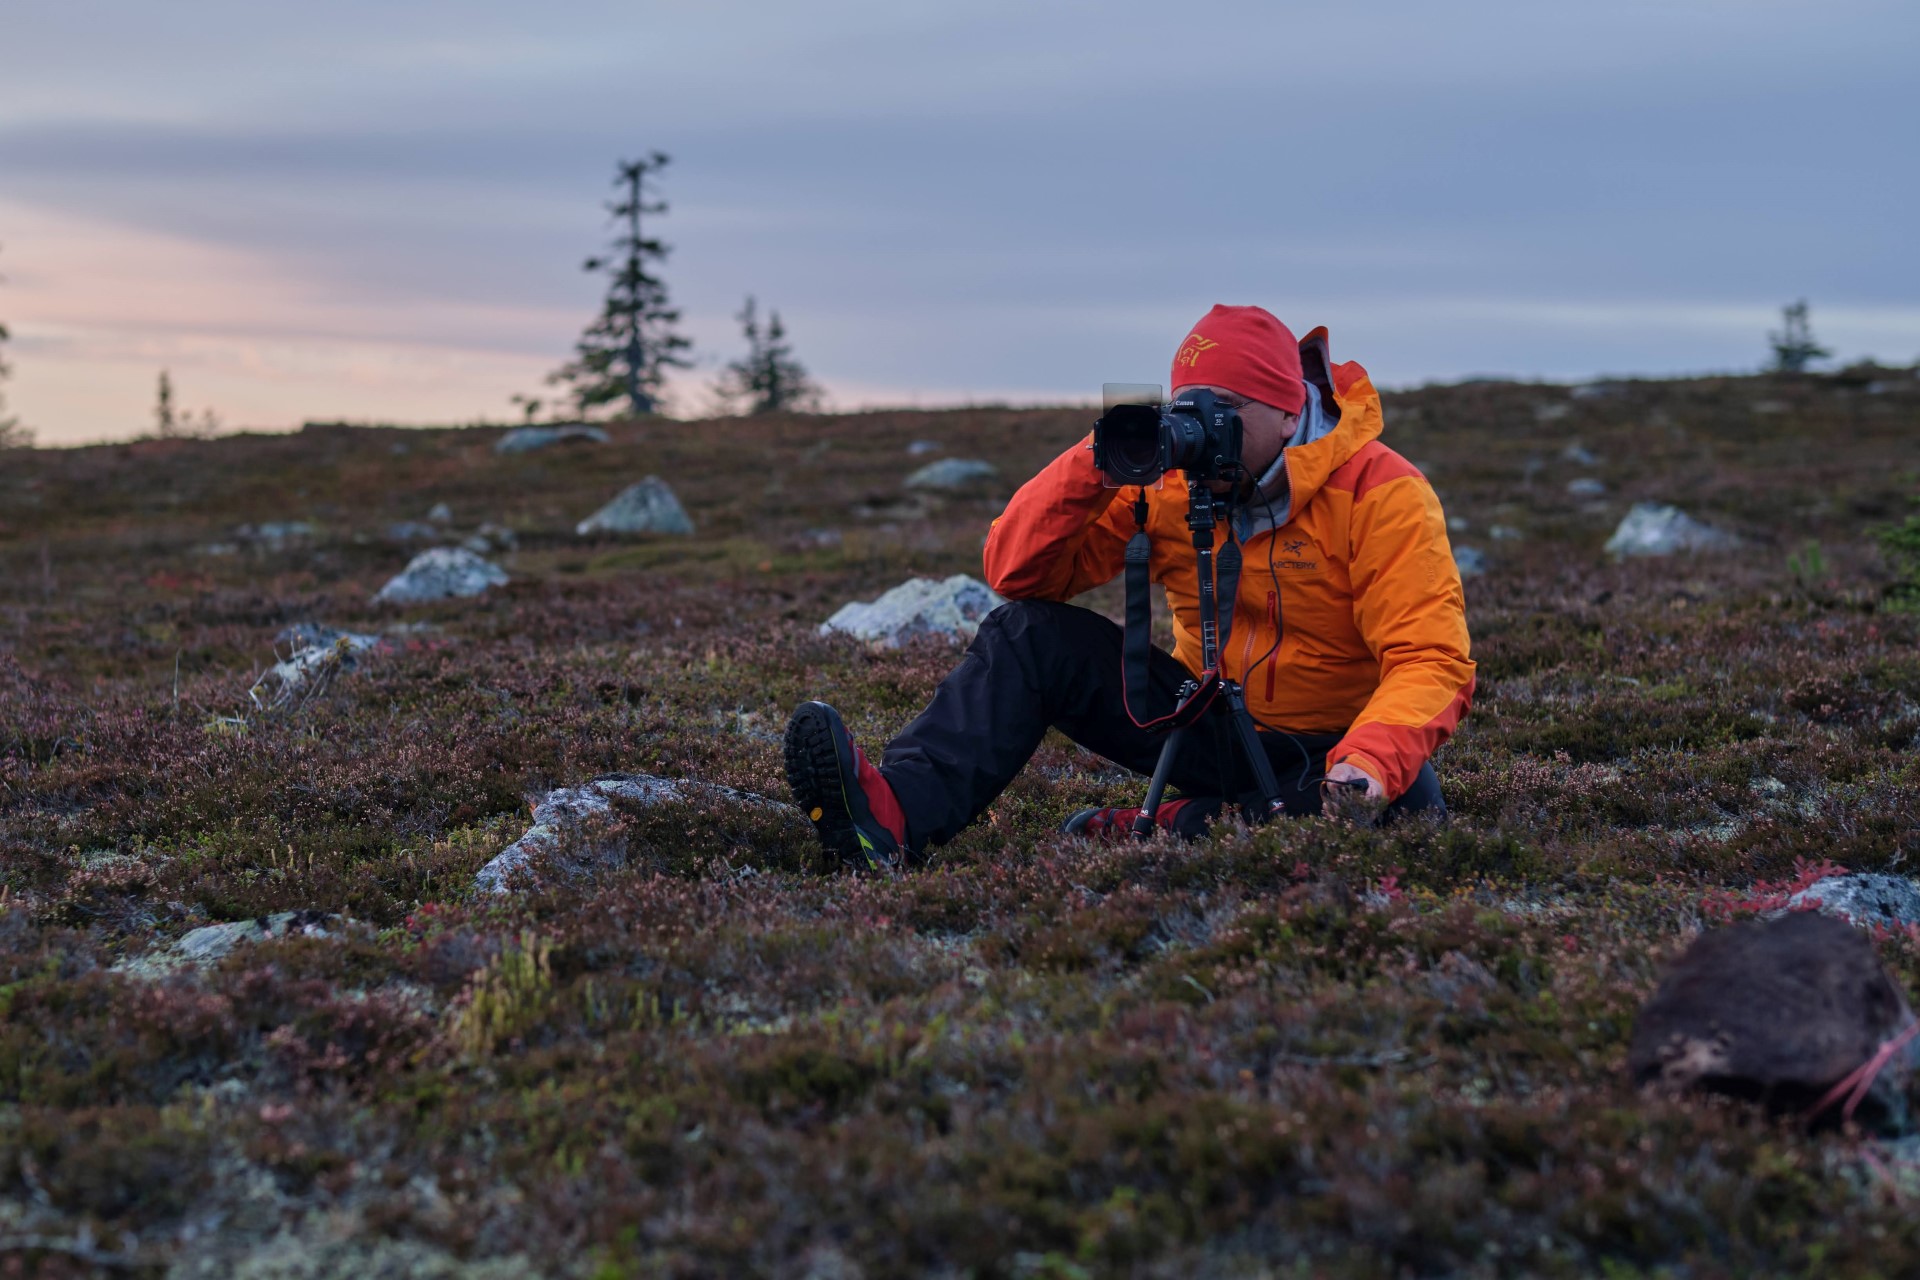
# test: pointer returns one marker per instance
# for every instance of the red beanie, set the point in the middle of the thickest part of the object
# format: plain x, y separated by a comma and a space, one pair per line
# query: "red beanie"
1246, 351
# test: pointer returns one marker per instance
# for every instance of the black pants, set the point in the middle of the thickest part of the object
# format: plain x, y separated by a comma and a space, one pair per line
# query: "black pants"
1037, 664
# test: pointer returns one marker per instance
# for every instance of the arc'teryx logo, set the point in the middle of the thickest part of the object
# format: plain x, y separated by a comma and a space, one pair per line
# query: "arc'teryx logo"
1189, 353
1295, 547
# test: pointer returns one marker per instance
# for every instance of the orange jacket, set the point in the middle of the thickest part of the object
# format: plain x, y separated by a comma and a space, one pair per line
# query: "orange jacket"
1374, 621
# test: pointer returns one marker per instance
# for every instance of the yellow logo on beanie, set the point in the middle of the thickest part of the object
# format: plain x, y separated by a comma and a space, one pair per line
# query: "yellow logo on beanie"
1189, 353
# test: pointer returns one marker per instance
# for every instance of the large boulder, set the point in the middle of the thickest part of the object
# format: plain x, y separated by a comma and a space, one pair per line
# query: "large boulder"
647, 507
1778, 1011
950, 609
1864, 898
574, 834
440, 574
1654, 529
528, 439
952, 473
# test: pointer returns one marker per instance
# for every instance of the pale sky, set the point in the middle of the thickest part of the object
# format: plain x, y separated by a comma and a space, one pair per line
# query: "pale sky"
377, 212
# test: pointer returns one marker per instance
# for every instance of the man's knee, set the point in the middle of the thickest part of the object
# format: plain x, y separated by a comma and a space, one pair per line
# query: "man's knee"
1422, 798
1039, 622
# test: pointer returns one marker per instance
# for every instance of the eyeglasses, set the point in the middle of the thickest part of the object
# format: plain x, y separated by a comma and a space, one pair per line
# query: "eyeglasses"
1240, 403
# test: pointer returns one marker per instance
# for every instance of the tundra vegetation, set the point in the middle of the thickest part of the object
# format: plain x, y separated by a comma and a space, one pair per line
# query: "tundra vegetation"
1308, 1049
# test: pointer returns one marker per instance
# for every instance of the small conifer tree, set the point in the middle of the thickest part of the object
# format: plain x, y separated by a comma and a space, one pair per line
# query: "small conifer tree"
165, 422
626, 351
768, 379
1793, 347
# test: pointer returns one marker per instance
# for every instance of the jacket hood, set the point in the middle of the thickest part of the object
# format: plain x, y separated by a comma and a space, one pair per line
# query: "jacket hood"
1342, 416
1347, 395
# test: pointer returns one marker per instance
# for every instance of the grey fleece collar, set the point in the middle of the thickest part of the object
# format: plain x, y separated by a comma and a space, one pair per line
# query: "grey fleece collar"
1274, 503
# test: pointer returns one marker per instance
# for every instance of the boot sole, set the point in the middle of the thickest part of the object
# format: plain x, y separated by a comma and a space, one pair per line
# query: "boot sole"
817, 777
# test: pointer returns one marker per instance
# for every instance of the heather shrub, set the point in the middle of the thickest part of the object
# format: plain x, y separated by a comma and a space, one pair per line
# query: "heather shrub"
1900, 544
1353, 1052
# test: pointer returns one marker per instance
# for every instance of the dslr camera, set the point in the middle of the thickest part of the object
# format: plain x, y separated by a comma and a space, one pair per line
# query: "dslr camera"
1138, 439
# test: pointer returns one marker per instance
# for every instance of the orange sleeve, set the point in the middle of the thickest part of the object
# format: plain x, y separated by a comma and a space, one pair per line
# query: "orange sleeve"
1412, 613
1062, 533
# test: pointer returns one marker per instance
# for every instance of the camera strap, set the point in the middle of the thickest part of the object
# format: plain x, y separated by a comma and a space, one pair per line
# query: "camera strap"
1137, 637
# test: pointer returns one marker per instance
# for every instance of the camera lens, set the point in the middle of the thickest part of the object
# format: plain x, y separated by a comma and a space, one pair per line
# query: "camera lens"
1128, 439
1186, 441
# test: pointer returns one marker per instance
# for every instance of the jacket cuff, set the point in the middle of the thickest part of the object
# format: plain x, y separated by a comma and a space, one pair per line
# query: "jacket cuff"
1366, 764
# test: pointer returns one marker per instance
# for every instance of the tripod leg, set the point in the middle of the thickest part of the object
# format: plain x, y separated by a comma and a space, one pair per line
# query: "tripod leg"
1264, 781
1143, 823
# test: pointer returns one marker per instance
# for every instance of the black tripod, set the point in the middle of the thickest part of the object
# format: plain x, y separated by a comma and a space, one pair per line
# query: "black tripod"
1204, 513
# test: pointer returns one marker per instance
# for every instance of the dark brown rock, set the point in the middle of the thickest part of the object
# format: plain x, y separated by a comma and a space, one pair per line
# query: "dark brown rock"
1777, 1011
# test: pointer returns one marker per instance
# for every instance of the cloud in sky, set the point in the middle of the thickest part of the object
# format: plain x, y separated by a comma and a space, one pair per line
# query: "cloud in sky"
378, 212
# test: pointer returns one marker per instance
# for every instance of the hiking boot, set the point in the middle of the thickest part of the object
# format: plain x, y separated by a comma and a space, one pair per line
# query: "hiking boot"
1117, 824
852, 808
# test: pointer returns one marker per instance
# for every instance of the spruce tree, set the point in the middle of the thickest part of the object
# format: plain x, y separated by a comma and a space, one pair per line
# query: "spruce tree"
626, 351
164, 421
768, 379
1793, 347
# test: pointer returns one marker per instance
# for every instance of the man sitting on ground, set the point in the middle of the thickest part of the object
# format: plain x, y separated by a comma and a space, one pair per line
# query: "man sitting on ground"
1349, 634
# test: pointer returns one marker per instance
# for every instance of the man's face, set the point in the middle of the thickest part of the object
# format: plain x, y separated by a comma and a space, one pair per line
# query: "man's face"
1267, 429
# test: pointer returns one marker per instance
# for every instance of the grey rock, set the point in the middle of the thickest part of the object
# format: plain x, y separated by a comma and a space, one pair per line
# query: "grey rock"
1458, 524
489, 538
528, 439
212, 943
277, 535
1505, 533
920, 447
1579, 455
1864, 898
440, 513
412, 531
317, 655
1653, 529
1597, 390
952, 473
950, 608
647, 507
572, 838
1551, 411
1586, 487
1471, 561
440, 574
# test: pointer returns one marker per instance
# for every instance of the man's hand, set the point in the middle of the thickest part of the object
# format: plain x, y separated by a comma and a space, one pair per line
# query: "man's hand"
1347, 801
1353, 773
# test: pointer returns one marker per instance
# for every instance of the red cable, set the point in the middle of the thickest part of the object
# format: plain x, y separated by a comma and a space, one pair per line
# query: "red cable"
1861, 1078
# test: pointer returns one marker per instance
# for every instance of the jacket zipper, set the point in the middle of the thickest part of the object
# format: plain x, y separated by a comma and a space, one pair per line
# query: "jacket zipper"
1246, 658
1273, 625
